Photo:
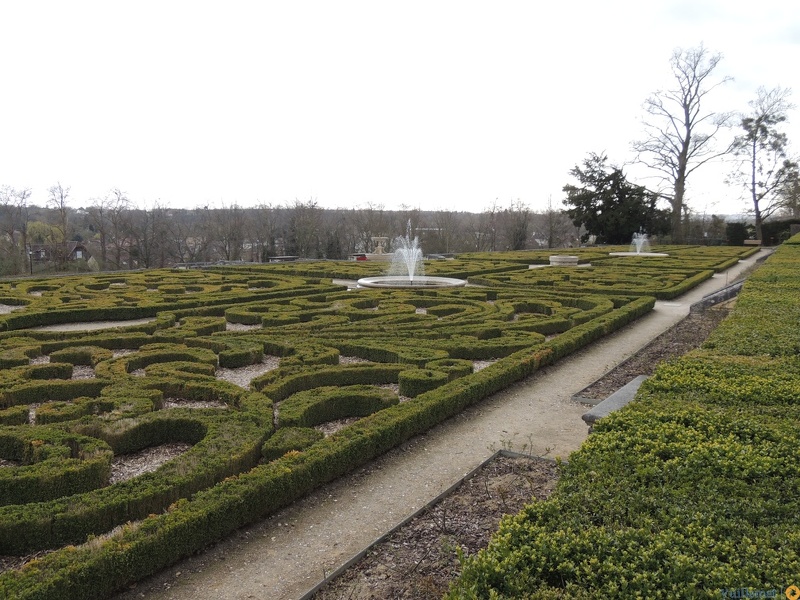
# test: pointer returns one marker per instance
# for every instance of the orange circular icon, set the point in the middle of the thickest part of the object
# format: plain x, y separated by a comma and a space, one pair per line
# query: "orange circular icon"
793, 592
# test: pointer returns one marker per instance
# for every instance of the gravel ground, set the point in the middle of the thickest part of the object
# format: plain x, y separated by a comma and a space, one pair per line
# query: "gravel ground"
418, 560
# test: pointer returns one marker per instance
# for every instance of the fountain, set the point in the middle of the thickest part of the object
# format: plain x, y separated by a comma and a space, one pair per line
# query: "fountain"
640, 246
407, 269
640, 243
407, 258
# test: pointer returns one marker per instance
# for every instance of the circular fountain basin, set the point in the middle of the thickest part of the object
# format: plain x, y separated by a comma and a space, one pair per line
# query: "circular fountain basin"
563, 260
419, 281
637, 254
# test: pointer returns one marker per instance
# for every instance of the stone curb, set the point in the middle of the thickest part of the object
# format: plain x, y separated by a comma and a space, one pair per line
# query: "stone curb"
614, 402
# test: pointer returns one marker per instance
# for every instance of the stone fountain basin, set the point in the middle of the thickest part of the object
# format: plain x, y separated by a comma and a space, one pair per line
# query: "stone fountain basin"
563, 260
637, 254
419, 281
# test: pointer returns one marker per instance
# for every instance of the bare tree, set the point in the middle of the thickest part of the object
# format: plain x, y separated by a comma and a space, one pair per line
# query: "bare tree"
370, 221
338, 239
14, 219
680, 133
401, 220
765, 169
149, 236
484, 229
57, 202
119, 215
553, 228
229, 227
515, 221
303, 229
443, 235
103, 215
262, 232
188, 235
790, 198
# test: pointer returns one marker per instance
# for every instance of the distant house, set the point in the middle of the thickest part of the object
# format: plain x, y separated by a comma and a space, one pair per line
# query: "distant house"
66, 251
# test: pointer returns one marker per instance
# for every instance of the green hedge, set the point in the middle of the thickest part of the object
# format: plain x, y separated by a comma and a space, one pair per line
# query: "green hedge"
81, 355
691, 491
279, 385
289, 439
414, 382
53, 390
219, 485
222, 447
53, 464
320, 405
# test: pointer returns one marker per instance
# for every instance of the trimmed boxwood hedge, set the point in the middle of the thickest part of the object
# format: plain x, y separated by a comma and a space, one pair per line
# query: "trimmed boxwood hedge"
54, 463
414, 382
322, 404
289, 439
692, 490
222, 447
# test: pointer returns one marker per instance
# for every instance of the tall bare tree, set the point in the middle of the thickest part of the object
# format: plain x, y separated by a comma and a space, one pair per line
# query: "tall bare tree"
150, 237
229, 230
119, 216
790, 198
403, 220
681, 133
765, 169
303, 229
554, 228
14, 219
515, 221
262, 232
485, 229
103, 218
57, 202
439, 237
337, 234
370, 221
192, 235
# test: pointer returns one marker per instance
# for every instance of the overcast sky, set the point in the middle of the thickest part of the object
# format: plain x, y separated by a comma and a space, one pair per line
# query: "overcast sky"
429, 104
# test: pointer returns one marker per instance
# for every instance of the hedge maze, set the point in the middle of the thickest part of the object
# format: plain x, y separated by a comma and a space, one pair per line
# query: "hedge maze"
334, 378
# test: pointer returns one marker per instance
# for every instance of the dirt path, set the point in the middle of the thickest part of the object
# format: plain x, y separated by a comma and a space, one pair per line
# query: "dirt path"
286, 555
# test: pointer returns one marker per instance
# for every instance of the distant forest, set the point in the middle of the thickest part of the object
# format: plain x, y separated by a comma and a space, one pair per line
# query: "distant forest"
114, 234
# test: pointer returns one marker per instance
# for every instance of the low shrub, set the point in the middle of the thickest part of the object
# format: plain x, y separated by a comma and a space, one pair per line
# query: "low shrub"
320, 405
414, 382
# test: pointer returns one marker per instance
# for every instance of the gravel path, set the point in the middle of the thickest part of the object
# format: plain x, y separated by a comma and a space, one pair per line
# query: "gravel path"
285, 556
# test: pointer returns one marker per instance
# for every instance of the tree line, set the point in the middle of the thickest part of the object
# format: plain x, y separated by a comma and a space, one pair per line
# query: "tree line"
118, 234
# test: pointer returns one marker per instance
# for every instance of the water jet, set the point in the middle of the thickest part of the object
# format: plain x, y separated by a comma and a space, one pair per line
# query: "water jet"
407, 269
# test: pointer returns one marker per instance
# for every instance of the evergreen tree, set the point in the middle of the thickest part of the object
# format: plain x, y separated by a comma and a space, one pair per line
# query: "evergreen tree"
609, 206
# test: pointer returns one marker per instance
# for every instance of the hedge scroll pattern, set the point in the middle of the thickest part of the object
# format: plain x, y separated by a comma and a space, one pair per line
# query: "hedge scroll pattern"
389, 363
